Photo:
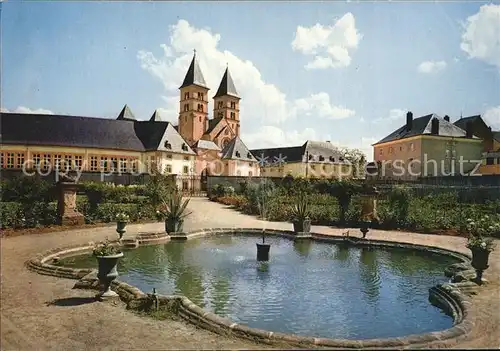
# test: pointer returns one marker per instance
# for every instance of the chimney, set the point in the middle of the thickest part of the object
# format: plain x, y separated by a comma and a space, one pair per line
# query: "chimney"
435, 126
469, 130
447, 118
409, 121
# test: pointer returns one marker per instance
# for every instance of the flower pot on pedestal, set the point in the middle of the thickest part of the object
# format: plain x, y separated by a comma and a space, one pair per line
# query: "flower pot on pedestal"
120, 228
479, 262
302, 226
174, 225
107, 272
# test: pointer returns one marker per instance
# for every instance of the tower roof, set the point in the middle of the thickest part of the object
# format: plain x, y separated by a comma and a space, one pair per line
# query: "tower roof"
226, 86
126, 113
194, 75
156, 117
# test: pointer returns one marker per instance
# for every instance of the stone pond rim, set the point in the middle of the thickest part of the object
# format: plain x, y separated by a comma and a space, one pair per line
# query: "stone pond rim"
449, 296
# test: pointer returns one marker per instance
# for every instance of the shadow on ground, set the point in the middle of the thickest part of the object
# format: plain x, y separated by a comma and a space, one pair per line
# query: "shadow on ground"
72, 301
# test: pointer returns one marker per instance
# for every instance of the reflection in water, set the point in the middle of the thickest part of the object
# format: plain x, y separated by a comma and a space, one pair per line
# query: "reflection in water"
315, 289
369, 275
302, 247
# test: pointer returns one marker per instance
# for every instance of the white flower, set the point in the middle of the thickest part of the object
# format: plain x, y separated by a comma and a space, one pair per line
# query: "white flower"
483, 245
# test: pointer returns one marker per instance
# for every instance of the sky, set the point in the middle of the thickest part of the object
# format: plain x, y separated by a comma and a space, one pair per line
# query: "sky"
346, 72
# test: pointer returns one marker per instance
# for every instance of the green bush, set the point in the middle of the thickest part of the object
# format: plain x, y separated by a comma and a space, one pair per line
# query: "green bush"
11, 215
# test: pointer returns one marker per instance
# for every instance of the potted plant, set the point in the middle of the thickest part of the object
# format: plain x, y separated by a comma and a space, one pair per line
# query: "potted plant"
300, 214
107, 258
479, 244
121, 222
173, 211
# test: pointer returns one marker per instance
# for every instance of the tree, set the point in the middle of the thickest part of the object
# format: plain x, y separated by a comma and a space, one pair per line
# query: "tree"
357, 158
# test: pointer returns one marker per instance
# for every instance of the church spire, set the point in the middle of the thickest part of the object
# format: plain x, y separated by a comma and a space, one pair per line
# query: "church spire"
194, 76
226, 86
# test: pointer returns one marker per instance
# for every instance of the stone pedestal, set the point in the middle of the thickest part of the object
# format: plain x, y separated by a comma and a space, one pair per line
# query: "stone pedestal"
369, 207
66, 205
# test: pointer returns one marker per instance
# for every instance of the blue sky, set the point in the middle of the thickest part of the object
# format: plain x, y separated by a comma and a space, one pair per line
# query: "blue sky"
91, 58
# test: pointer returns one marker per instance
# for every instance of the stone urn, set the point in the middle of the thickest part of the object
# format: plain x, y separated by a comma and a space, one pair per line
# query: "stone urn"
479, 262
107, 272
174, 225
302, 226
365, 227
120, 228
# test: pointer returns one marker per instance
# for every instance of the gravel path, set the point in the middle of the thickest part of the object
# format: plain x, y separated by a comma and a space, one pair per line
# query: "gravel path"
44, 313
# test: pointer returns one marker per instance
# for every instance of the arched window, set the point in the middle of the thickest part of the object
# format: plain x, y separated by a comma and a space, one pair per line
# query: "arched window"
186, 96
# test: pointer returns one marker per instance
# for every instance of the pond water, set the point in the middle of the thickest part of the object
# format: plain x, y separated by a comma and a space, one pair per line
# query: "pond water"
309, 288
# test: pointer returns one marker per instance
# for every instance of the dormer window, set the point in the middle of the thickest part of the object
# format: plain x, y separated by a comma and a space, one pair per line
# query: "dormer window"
249, 155
332, 159
321, 158
184, 147
168, 145
311, 157
238, 154
341, 159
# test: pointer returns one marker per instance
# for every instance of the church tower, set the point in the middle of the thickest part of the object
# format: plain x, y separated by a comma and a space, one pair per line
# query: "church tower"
193, 109
227, 103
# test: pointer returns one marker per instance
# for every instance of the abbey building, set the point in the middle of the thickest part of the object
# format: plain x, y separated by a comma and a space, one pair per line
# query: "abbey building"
197, 145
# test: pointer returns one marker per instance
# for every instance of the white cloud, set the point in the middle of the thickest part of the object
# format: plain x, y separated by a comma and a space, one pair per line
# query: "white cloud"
270, 136
431, 66
395, 114
22, 109
319, 105
492, 117
481, 38
262, 103
331, 46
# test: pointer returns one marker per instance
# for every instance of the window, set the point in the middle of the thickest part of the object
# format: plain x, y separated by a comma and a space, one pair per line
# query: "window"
263, 170
381, 151
2, 165
186, 96
46, 161
220, 115
313, 167
238, 154
332, 159
68, 162
57, 161
341, 159
250, 173
169, 156
200, 108
185, 169
123, 165
134, 165
400, 148
78, 162
233, 115
114, 163
249, 155
200, 96
412, 147
249, 164
10, 160
233, 105
199, 118
20, 159
184, 147
490, 161
220, 104
104, 163
186, 107
311, 157
93, 163
186, 158
391, 150
168, 146
168, 168
36, 160
321, 158
226, 132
